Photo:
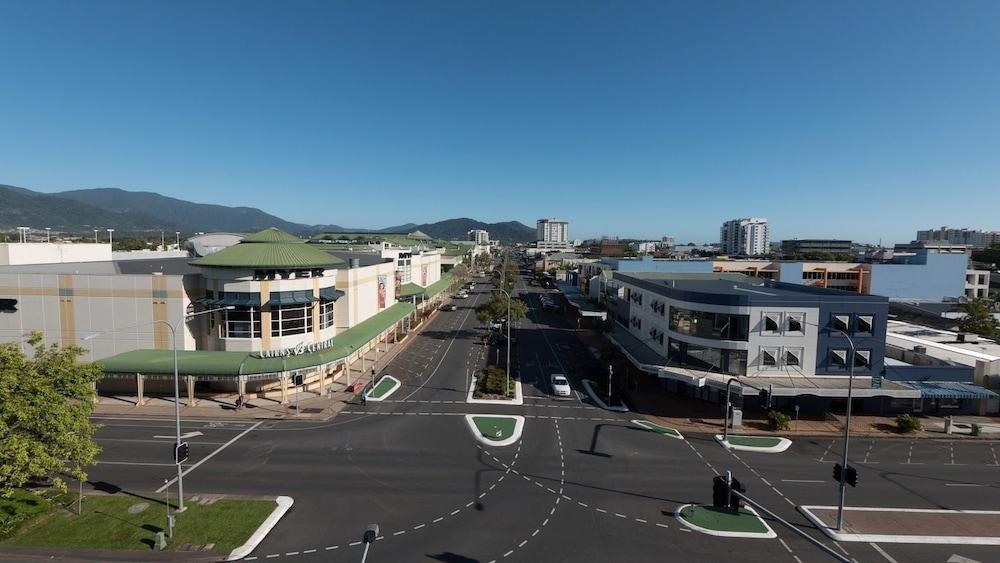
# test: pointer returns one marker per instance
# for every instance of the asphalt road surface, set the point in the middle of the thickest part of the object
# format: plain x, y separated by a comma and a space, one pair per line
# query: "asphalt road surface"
583, 484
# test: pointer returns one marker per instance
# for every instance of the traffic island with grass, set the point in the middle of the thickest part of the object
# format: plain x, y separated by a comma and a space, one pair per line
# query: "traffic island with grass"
488, 386
762, 444
496, 430
385, 387
726, 522
131, 521
659, 429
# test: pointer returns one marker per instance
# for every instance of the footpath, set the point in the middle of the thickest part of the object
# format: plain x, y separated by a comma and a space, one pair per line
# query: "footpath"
302, 405
908, 525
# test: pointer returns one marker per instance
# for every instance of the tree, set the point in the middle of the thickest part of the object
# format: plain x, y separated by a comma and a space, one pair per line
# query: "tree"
45, 402
979, 318
496, 309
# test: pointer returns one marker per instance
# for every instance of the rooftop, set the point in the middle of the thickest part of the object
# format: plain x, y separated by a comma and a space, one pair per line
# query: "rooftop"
269, 249
942, 344
165, 266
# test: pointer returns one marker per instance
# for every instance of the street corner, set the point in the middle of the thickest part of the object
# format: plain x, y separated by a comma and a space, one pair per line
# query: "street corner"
760, 444
282, 505
658, 428
385, 387
907, 525
588, 386
724, 522
495, 430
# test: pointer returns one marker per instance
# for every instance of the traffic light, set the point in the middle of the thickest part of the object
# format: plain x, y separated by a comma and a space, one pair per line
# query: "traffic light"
181, 452
297, 379
877, 380
720, 492
765, 399
736, 502
851, 475
838, 473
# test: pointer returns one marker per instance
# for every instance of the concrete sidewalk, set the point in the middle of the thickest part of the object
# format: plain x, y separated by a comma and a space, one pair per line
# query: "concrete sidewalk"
908, 525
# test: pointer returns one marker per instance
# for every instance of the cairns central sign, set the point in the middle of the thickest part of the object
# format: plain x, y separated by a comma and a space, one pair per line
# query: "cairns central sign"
301, 348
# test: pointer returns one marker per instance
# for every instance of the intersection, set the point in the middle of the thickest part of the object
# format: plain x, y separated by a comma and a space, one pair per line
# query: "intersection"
583, 483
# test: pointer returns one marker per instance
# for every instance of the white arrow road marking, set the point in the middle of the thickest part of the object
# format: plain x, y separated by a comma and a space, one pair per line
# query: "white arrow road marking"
956, 558
183, 436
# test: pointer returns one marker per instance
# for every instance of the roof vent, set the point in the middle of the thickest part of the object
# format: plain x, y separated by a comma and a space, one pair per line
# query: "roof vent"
355, 262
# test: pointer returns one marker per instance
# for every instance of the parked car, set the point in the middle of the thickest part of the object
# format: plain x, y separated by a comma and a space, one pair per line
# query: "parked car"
461, 295
560, 385
448, 307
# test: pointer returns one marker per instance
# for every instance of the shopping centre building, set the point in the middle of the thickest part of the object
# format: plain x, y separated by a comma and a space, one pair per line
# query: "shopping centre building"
261, 313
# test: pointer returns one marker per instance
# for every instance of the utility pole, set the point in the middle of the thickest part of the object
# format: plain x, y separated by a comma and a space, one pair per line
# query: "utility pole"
611, 371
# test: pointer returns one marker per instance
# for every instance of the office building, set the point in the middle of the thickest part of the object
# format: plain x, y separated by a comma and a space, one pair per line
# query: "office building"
552, 231
745, 237
479, 236
805, 247
976, 239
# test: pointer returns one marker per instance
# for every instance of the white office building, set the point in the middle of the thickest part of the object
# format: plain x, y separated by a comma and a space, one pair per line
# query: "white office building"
553, 230
749, 236
479, 236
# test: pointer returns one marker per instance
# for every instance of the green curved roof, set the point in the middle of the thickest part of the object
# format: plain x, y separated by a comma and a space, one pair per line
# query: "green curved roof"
269, 255
271, 234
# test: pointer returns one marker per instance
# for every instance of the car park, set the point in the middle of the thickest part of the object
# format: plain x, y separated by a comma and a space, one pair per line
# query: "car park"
560, 385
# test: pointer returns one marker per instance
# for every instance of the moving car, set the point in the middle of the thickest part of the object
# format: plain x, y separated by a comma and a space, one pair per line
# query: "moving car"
560, 385
461, 295
448, 307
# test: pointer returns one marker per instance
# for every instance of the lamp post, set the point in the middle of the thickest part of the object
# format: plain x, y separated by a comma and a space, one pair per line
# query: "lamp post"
507, 389
48, 234
95, 237
111, 238
177, 238
24, 233
177, 390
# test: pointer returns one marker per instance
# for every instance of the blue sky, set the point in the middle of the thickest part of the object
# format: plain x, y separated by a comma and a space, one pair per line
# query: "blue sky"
861, 120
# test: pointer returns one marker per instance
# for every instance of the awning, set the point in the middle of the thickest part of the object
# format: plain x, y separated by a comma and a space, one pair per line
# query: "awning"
950, 390
291, 298
229, 298
330, 293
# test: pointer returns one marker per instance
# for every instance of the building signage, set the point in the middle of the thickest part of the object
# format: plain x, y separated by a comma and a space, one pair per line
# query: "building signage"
301, 348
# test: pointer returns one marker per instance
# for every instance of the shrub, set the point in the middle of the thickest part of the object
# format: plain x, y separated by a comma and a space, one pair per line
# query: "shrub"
908, 423
779, 421
976, 429
491, 380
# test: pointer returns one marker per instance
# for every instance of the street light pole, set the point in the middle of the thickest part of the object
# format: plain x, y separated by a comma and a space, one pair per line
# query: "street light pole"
111, 238
847, 434
507, 389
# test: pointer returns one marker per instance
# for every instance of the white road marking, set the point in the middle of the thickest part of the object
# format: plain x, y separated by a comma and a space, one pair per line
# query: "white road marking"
802, 481
209, 456
883, 553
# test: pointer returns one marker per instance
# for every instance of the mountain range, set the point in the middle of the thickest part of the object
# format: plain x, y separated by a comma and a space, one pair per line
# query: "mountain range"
128, 212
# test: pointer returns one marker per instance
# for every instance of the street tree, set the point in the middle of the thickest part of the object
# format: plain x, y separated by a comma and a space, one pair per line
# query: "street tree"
496, 309
979, 318
45, 404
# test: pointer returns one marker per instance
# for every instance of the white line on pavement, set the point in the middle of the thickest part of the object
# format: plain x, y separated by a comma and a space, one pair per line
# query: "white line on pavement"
883, 553
209, 456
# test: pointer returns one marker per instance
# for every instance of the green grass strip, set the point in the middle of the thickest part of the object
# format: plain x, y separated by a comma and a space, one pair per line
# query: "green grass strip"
107, 524
383, 386
495, 428
723, 519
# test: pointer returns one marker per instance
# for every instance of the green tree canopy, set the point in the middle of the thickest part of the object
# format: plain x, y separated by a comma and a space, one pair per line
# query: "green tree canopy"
45, 402
979, 318
496, 309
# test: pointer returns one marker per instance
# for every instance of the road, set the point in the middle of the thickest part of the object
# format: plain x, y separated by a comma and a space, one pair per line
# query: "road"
583, 484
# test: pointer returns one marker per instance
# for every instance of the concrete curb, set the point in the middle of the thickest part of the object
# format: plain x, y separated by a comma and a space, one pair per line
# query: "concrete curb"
894, 538
284, 504
396, 385
517, 400
769, 534
597, 400
647, 425
514, 437
783, 444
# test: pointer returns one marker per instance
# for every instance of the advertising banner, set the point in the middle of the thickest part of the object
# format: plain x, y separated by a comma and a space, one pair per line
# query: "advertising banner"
381, 291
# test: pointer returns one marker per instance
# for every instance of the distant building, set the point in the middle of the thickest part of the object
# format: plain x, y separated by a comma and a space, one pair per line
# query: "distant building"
745, 237
552, 230
612, 248
801, 247
667, 243
479, 236
19, 253
974, 238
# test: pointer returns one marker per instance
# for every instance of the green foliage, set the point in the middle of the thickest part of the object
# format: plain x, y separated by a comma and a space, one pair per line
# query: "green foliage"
908, 423
482, 260
779, 421
496, 309
976, 429
491, 380
979, 318
45, 402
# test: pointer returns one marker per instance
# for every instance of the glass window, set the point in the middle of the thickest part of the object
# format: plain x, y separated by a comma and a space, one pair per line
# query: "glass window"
838, 357
241, 322
862, 358
793, 357
326, 314
768, 357
865, 323
841, 322
796, 323
772, 322
717, 326
291, 319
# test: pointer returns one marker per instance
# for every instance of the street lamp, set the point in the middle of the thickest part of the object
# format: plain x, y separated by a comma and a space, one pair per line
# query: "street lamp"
95, 237
111, 238
24, 233
48, 234
177, 391
177, 235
